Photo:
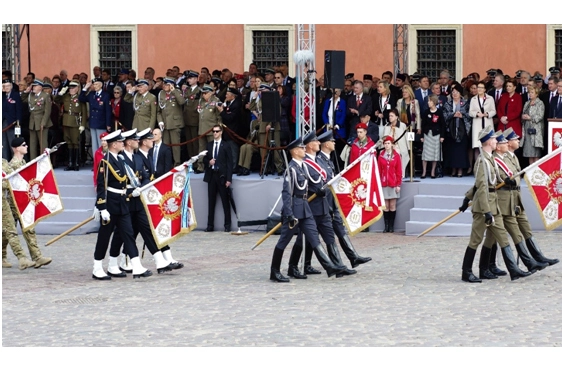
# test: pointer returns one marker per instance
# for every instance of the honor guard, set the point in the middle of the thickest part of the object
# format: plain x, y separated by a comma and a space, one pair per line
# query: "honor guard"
486, 214
112, 203
296, 213
74, 120
39, 117
144, 104
192, 94
209, 116
170, 116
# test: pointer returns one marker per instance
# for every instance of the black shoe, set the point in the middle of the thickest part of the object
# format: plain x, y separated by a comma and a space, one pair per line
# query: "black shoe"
422, 177
209, 229
514, 272
117, 275
468, 260
485, 274
197, 171
496, 271
277, 276
468, 276
145, 274
176, 265
294, 272
167, 268
104, 278
69, 167
246, 172
536, 252
227, 229
310, 270
360, 260
126, 270
346, 272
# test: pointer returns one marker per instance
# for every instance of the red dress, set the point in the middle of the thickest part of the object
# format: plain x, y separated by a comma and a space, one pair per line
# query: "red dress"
98, 156
357, 150
512, 108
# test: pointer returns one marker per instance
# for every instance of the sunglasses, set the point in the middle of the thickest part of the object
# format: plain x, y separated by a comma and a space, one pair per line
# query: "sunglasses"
24, 145
217, 131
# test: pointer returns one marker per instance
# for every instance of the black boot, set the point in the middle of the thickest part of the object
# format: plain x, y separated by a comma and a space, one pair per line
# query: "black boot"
293, 270
276, 267
485, 273
531, 264
325, 261
70, 160
354, 258
514, 272
493, 267
335, 257
467, 274
76, 164
391, 217
308, 268
537, 253
385, 214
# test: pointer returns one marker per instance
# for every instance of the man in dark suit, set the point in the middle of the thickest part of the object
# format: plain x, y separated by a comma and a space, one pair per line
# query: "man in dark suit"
556, 105
524, 78
359, 104
422, 92
230, 112
218, 175
161, 155
108, 85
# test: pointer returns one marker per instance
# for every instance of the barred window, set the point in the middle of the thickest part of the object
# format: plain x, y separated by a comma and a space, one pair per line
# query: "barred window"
115, 50
436, 52
558, 48
271, 48
6, 45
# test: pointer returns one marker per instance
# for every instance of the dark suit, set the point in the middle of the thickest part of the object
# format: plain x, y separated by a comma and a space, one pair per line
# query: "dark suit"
100, 109
108, 87
420, 98
164, 162
216, 179
556, 108
365, 107
11, 111
288, 81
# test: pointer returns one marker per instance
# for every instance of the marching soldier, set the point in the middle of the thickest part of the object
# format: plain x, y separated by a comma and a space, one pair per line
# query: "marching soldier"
75, 116
39, 116
19, 148
144, 104
112, 204
296, 213
209, 116
192, 94
9, 231
486, 214
170, 116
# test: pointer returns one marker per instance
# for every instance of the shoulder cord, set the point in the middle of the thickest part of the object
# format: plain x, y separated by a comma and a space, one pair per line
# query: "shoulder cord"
310, 176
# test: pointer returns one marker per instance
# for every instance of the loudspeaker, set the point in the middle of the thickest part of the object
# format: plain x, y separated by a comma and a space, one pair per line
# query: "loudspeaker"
334, 69
271, 106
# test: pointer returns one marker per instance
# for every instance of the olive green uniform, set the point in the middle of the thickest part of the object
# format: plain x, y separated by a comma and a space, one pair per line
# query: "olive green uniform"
522, 220
9, 231
209, 116
145, 110
39, 121
170, 113
191, 118
75, 114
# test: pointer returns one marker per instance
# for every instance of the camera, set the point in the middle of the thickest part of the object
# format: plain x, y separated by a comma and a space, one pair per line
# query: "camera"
219, 104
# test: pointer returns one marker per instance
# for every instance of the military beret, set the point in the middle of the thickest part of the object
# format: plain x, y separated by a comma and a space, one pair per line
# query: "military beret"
368, 77
486, 133
233, 91
295, 143
326, 137
104, 134
145, 134
500, 137
310, 137
361, 125
142, 82
207, 88
74, 83
169, 80
269, 70
130, 134
37, 82
124, 71
554, 69
388, 138
509, 134
401, 76
113, 137
16, 142
239, 76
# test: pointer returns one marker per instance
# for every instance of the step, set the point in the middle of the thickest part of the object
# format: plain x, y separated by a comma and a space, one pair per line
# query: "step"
444, 230
83, 177
71, 215
55, 228
437, 202
78, 202
435, 215
445, 189
70, 190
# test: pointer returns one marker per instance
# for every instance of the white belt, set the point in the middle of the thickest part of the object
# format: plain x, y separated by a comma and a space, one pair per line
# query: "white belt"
121, 192
130, 186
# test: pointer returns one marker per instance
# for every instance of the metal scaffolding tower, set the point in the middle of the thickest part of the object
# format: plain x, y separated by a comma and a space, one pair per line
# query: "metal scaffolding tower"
14, 33
400, 48
304, 61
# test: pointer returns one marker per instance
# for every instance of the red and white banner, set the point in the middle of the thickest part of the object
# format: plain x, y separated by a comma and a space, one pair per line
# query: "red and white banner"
168, 202
545, 183
358, 193
35, 192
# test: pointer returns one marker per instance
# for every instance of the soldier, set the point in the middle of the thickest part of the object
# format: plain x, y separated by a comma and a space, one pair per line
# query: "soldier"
192, 94
170, 117
209, 116
144, 104
20, 150
39, 116
100, 110
296, 213
486, 214
9, 231
112, 203
269, 131
75, 116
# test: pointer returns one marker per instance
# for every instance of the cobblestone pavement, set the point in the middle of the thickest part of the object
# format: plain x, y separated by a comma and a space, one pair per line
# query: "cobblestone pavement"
410, 295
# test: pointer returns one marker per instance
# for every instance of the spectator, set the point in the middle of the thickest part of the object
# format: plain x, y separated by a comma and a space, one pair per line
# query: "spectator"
433, 131
397, 130
390, 169
457, 126
533, 126
509, 109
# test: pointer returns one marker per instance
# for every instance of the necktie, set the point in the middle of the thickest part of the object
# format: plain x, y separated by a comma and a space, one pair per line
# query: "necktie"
216, 155
424, 94
155, 159
357, 102
497, 95
552, 95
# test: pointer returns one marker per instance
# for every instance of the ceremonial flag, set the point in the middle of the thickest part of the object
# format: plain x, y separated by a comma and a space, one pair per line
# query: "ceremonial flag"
545, 183
35, 192
358, 193
169, 206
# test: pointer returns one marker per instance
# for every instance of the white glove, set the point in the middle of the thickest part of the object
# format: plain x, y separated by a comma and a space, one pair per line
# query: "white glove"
337, 127
96, 214
81, 129
47, 151
105, 215
63, 90
161, 124
136, 192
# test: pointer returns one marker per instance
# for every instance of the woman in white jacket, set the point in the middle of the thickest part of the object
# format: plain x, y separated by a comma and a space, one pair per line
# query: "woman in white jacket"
482, 110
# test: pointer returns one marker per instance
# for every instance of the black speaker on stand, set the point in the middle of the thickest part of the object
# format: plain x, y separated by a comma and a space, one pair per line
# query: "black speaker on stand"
334, 69
271, 106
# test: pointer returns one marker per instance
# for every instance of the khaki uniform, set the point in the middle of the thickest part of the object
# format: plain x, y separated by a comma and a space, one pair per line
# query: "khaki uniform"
29, 235
485, 200
145, 110
191, 118
522, 220
209, 116
75, 113
39, 121
9, 231
170, 113
263, 141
